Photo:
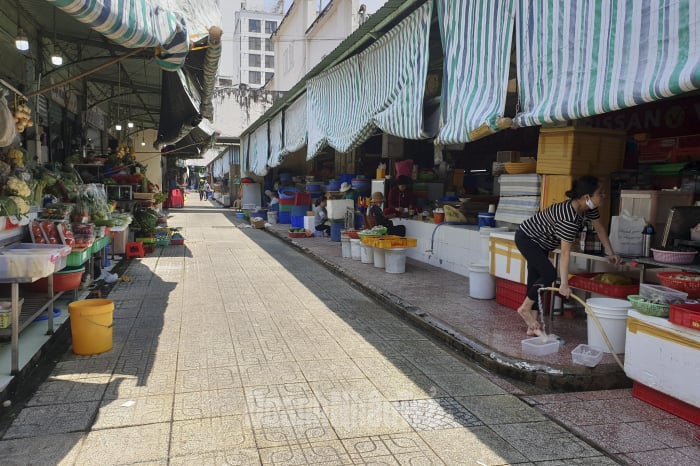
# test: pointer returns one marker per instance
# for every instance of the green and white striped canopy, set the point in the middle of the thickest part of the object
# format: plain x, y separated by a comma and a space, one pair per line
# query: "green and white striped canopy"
476, 40
276, 141
258, 150
381, 87
134, 24
577, 59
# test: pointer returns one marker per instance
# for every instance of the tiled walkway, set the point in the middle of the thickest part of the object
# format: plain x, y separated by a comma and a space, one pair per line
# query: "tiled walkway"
238, 349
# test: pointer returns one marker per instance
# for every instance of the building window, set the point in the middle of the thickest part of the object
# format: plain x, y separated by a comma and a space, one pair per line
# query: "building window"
254, 25
268, 76
254, 60
253, 43
254, 77
270, 27
225, 82
269, 61
268, 45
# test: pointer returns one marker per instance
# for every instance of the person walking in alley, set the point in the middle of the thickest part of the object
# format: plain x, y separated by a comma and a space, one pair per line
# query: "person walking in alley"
204, 193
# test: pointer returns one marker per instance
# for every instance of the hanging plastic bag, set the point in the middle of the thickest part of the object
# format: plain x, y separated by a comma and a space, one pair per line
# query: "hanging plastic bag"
8, 132
589, 240
626, 234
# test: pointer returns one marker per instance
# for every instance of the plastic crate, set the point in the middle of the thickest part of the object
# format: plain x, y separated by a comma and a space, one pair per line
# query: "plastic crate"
6, 311
686, 315
579, 151
78, 257
145, 240
641, 305
673, 257
584, 281
585, 355
510, 294
400, 242
177, 242
683, 281
99, 244
162, 241
667, 403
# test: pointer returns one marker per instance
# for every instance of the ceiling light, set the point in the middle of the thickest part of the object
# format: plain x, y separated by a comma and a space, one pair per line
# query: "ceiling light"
56, 59
21, 41
118, 127
143, 143
129, 125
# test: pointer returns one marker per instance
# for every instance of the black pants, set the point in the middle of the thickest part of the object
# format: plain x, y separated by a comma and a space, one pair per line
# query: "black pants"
398, 230
324, 228
540, 271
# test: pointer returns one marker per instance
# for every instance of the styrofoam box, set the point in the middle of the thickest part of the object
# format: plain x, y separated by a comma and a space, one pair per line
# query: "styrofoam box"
663, 356
506, 260
309, 223
337, 208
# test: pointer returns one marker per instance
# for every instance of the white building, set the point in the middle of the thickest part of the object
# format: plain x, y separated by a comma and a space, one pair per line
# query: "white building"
251, 60
306, 36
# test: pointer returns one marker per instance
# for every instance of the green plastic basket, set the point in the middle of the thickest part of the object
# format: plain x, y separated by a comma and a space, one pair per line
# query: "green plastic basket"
641, 305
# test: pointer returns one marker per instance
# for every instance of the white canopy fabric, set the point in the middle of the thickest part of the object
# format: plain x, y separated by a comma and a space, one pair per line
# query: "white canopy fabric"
476, 40
258, 150
276, 141
381, 87
295, 125
577, 59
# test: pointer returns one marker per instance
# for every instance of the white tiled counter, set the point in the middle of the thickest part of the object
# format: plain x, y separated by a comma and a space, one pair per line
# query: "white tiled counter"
451, 247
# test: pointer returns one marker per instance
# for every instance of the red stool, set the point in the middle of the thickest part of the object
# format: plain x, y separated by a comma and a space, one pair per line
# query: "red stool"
134, 250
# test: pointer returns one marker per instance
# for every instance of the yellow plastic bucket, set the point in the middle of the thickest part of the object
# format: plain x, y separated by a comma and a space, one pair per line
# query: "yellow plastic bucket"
91, 325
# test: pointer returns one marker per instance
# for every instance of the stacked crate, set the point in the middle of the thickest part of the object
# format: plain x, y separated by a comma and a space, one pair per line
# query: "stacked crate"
564, 154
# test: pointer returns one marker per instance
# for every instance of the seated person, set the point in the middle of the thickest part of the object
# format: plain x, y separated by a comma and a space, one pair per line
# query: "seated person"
375, 216
401, 198
321, 215
349, 193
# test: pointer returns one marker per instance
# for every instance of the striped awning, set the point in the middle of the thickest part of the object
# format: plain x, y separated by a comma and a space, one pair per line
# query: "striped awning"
276, 141
295, 125
577, 59
476, 40
258, 150
135, 24
245, 164
381, 87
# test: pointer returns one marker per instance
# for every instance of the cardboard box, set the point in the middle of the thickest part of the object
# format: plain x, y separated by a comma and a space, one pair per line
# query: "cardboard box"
580, 151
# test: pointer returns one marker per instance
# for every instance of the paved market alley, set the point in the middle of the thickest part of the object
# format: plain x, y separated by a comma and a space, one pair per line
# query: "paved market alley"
239, 349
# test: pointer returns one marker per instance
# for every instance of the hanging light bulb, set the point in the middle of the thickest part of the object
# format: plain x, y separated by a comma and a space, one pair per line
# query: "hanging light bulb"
21, 41
118, 127
143, 137
130, 124
56, 58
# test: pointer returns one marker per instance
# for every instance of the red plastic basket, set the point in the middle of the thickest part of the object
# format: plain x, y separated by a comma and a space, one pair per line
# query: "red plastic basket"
673, 257
687, 282
584, 281
666, 402
687, 315
510, 294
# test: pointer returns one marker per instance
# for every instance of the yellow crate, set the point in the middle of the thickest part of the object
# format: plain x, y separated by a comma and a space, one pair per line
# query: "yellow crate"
554, 188
396, 242
580, 151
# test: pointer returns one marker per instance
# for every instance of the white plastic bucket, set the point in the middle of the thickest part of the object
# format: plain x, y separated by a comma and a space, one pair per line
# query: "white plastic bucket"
379, 258
355, 252
612, 315
272, 217
482, 285
366, 254
395, 260
346, 250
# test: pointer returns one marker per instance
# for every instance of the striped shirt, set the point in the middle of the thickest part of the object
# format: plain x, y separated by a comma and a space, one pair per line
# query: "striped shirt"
557, 223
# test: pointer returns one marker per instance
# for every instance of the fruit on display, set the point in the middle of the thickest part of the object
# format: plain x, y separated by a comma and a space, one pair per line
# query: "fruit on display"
23, 117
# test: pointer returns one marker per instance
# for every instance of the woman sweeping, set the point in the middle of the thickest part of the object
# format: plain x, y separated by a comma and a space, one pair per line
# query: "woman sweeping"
557, 227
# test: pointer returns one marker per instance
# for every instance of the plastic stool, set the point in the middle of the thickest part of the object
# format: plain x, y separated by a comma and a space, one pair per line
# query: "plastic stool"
134, 250
106, 261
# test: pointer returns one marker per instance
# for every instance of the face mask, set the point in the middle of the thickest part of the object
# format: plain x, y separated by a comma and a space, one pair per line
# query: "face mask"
589, 203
